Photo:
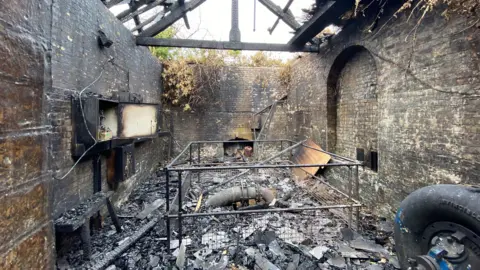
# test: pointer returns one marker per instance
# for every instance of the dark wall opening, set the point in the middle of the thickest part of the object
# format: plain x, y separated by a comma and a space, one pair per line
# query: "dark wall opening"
352, 112
231, 147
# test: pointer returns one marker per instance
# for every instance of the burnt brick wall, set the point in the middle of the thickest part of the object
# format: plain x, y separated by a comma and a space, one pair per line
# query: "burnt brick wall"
25, 226
48, 53
426, 117
357, 122
77, 60
241, 92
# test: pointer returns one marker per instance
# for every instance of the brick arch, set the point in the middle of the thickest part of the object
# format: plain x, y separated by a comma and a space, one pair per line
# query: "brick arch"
352, 112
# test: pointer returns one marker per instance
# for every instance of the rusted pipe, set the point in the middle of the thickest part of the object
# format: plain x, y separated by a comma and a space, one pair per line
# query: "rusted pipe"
229, 196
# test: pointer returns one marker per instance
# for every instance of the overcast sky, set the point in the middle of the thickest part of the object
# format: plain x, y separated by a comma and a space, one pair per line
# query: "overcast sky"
211, 21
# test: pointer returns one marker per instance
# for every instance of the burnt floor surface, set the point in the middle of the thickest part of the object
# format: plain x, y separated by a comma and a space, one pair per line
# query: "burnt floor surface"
287, 240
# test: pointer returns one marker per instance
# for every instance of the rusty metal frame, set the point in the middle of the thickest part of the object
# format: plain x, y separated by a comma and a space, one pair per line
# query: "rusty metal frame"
174, 167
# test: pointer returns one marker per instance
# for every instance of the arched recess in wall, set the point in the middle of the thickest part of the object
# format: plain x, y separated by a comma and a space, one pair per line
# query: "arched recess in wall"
352, 112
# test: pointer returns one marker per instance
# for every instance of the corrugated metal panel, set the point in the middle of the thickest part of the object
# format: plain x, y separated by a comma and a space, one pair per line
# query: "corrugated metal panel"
306, 155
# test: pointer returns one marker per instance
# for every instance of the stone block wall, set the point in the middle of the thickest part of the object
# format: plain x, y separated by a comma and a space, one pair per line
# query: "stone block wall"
48, 53
416, 103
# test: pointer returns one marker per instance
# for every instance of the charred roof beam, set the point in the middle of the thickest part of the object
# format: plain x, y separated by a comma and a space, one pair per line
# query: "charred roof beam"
221, 45
286, 10
136, 11
176, 12
111, 3
185, 18
285, 16
326, 15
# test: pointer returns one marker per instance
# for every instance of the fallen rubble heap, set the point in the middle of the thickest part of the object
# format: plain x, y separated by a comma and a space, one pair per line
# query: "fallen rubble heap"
291, 239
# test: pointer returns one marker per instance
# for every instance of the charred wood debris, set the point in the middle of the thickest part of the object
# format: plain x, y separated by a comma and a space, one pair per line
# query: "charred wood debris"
266, 241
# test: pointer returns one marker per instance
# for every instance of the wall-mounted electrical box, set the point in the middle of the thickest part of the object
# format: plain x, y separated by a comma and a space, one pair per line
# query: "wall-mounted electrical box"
109, 120
137, 120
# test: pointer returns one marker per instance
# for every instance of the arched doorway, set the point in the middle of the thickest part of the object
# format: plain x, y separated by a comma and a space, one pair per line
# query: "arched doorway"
352, 110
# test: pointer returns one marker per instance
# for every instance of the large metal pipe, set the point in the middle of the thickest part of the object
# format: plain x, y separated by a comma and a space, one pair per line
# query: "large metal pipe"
229, 196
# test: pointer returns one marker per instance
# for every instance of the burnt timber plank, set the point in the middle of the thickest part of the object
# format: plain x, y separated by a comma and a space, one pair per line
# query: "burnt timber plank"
177, 11
75, 218
328, 14
221, 45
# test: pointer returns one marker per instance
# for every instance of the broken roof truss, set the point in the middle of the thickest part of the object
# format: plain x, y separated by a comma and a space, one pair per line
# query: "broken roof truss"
174, 10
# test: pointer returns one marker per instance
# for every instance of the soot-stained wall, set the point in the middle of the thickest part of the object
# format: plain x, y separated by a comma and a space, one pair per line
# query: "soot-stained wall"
415, 103
26, 230
240, 92
77, 61
48, 53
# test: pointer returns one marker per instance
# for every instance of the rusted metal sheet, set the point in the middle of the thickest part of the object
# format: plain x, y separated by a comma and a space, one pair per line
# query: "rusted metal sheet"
138, 120
306, 155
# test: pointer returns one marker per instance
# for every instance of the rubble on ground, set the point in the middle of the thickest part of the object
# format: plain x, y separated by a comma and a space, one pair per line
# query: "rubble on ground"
284, 240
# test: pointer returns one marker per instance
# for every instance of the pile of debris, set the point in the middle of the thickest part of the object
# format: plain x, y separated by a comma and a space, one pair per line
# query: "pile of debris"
292, 239
273, 240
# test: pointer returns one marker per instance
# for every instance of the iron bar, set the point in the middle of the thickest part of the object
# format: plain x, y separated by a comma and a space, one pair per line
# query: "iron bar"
176, 12
285, 9
350, 192
218, 164
136, 20
268, 210
286, 17
129, 14
167, 190
357, 195
262, 166
170, 143
268, 107
198, 153
147, 21
235, 141
143, 40
179, 208
256, 166
167, 201
179, 155
190, 160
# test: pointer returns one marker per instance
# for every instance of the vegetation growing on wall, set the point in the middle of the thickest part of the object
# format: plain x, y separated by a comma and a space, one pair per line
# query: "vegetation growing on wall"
463, 7
190, 77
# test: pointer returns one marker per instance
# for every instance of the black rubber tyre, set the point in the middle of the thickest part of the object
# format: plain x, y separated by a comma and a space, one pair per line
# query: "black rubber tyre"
440, 203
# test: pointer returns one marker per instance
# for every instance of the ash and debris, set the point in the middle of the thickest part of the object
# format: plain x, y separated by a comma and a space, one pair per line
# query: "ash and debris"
307, 239
77, 215
313, 239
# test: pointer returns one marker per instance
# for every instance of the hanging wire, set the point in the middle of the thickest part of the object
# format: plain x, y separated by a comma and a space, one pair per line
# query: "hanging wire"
86, 126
